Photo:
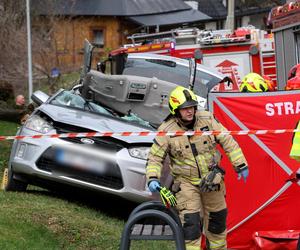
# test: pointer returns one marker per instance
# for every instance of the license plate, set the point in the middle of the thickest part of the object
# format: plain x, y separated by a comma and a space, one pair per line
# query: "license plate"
79, 160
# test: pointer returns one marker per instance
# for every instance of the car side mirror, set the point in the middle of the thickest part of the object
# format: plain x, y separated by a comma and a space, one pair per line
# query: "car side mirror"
39, 97
198, 55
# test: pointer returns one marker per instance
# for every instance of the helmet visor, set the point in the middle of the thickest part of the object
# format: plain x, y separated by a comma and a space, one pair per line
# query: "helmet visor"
191, 103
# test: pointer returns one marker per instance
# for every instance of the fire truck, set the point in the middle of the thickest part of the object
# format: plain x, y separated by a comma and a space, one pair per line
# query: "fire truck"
232, 53
286, 29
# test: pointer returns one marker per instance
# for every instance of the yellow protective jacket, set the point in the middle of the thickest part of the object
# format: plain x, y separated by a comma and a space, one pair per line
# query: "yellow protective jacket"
295, 150
192, 156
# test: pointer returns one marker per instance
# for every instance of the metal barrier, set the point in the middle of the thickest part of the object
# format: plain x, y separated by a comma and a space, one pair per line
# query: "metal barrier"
169, 229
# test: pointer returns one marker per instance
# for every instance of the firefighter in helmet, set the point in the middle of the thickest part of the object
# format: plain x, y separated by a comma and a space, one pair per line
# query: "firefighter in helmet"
253, 82
194, 164
293, 81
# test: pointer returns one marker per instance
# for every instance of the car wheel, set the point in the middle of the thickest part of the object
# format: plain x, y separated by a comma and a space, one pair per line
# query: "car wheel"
10, 183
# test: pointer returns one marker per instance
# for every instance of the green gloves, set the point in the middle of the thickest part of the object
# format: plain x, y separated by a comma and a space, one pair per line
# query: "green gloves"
168, 199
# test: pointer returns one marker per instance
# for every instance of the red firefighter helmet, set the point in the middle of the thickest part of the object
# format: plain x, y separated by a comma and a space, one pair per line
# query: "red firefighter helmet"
293, 81
271, 85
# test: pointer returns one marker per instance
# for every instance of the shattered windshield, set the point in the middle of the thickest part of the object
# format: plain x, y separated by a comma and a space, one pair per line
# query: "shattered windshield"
73, 100
69, 99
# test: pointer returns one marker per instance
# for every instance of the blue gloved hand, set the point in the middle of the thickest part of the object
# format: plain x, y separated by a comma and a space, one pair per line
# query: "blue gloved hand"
244, 173
154, 186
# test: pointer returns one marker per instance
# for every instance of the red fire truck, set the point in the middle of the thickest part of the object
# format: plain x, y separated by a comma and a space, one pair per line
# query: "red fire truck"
234, 54
286, 29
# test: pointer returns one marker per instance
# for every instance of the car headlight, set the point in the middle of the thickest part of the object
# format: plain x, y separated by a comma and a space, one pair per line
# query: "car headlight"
38, 124
139, 152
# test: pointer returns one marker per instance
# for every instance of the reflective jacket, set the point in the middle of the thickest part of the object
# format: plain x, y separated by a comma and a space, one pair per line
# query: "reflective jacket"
295, 150
191, 157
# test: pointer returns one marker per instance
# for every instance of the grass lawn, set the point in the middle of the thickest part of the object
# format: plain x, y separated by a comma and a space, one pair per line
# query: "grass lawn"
40, 219
6, 128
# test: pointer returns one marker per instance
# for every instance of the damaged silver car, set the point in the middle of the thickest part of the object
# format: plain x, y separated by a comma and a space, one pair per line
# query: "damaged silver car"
112, 164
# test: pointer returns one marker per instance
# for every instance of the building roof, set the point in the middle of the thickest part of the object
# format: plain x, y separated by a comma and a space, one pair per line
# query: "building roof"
142, 12
107, 7
244, 8
216, 10
213, 8
176, 17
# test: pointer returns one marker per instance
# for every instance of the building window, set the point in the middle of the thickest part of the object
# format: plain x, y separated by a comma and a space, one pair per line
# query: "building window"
238, 22
98, 38
220, 24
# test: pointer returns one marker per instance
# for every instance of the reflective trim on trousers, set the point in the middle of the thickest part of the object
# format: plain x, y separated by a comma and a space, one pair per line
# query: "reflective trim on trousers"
217, 244
192, 247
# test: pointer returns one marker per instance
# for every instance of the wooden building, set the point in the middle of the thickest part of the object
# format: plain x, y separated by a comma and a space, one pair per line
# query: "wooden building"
106, 24
105, 33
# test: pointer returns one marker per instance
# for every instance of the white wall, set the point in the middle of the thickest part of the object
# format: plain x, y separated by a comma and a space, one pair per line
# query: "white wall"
211, 26
245, 21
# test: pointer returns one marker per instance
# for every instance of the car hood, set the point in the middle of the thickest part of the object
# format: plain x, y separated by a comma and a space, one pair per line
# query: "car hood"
96, 122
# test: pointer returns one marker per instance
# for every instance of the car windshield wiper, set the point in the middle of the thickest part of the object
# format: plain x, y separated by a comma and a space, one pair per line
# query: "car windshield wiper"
88, 105
98, 109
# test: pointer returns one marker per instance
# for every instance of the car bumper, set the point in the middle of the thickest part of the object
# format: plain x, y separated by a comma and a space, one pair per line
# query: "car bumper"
123, 175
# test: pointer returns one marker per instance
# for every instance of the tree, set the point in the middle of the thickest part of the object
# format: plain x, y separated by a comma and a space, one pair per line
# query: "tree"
13, 48
13, 44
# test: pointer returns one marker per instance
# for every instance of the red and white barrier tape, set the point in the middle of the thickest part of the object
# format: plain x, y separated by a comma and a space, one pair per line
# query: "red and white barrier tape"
149, 133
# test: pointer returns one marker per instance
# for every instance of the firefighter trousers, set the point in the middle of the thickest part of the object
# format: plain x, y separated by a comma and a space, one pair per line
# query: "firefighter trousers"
202, 211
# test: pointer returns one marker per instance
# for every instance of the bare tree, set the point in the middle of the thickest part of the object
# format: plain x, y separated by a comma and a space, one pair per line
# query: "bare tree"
13, 44
45, 43
13, 47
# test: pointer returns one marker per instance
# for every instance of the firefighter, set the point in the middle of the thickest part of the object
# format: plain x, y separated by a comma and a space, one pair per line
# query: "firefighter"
295, 150
194, 163
253, 82
271, 84
293, 81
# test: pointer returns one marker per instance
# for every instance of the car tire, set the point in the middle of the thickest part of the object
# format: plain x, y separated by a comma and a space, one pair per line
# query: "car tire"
12, 184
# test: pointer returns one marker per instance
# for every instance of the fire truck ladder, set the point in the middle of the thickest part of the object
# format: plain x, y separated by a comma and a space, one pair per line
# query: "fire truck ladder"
142, 37
268, 64
189, 36
181, 36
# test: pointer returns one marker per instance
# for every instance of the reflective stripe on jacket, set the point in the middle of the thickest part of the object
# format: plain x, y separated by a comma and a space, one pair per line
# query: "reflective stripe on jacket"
295, 150
192, 156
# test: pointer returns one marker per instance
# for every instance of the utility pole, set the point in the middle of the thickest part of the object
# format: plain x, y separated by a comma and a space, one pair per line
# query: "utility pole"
29, 50
230, 15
